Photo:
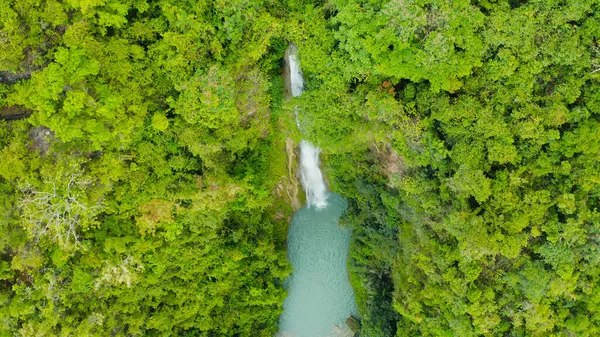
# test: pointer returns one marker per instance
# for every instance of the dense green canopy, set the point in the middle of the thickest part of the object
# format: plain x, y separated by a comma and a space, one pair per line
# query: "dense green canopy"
482, 119
138, 197
147, 192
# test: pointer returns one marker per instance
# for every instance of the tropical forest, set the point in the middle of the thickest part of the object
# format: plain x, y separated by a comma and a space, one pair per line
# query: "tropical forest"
299, 168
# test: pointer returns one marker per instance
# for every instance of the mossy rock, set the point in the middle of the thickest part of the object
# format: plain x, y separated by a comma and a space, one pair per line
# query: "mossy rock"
354, 324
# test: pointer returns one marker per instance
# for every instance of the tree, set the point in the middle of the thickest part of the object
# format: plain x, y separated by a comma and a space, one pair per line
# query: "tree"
59, 214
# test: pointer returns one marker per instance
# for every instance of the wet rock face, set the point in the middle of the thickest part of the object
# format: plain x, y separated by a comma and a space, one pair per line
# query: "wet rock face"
293, 186
286, 76
42, 138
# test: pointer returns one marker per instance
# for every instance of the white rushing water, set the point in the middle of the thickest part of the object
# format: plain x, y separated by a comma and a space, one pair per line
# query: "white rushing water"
296, 79
311, 177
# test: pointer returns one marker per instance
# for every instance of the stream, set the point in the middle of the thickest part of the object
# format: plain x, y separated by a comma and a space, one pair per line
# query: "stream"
320, 297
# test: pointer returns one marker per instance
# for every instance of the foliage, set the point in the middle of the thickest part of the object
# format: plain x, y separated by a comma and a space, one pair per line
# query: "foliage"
137, 200
143, 194
465, 136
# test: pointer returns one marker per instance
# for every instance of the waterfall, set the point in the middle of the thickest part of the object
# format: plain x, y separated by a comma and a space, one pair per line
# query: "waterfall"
311, 176
320, 298
296, 79
310, 173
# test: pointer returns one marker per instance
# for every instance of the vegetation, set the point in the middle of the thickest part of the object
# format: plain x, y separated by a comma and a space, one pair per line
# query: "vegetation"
138, 197
481, 119
142, 194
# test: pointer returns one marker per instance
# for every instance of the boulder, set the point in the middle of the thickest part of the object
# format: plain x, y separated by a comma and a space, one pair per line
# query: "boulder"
353, 323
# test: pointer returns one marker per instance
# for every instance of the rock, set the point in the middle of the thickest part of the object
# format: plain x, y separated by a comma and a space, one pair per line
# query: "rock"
388, 161
14, 112
8, 77
42, 138
354, 324
294, 186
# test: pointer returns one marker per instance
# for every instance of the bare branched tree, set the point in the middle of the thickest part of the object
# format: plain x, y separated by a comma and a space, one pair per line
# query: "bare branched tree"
125, 272
58, 213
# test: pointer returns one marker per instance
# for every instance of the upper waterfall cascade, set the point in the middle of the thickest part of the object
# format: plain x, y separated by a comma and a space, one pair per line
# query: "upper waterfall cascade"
310, 174
296, 78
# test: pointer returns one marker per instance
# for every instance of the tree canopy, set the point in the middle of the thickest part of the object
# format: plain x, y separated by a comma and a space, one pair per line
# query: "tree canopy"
481, 121
138, 198
145, 193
